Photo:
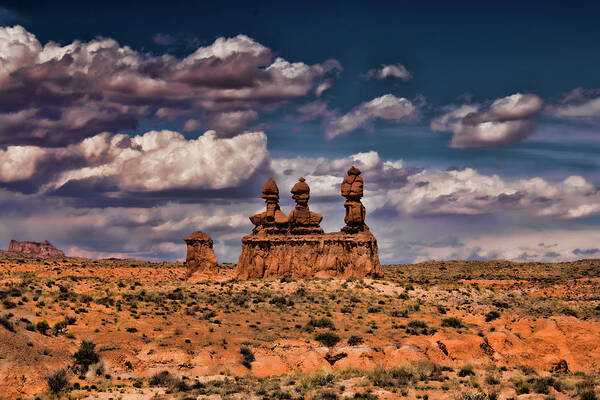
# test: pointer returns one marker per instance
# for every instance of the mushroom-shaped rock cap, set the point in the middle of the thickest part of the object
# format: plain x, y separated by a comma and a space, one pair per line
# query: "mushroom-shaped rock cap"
354, 171
270, 187
301, 187
199, 237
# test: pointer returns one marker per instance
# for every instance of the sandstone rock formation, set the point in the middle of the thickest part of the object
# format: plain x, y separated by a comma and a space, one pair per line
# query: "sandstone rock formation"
326, 255
301, 219
352, 190
35, 249
300, 248
273, 220
200, 258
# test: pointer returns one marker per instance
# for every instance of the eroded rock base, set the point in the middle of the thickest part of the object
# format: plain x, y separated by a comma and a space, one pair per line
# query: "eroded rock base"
326, 255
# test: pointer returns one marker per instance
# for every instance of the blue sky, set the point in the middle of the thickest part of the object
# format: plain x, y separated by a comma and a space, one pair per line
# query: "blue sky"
476, 125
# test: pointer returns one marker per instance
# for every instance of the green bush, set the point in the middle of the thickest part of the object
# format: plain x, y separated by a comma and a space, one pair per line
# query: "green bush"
467, 370
57, 381
329, 339
248, 356
42, 327
86, 355
355, 340
5, 322
322, 322
453, 322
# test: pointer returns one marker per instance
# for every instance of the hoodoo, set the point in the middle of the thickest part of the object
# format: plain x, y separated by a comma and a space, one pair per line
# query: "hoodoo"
297, 247
200, 257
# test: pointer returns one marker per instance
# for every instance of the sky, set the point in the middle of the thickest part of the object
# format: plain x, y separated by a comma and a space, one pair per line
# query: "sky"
124, 128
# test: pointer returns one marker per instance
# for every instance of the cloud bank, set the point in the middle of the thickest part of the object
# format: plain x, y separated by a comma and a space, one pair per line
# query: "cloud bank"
55, 95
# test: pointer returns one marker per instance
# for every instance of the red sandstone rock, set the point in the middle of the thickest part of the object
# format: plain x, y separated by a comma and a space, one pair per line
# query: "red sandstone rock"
200, 258
302, 250
301, 219
273, 220
35, 249
327, 255
352, 190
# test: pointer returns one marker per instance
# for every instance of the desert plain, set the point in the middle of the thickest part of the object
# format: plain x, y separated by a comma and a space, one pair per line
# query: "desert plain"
125, 329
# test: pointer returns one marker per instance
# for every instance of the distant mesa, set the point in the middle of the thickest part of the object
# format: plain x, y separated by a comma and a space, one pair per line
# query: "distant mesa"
200, 258
31, 249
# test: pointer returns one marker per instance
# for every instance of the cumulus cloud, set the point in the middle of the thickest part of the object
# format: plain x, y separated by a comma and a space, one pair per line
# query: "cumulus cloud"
507, 120
390, 70
18, 162
162, 160
387, 107
54, 95
467, 192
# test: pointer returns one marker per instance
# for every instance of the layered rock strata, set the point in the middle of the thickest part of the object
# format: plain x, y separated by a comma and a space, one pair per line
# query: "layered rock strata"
43, 249
326, 255
200, 257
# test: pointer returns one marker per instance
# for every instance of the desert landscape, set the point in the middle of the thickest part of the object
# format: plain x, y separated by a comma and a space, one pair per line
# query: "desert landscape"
125, 329
283, 200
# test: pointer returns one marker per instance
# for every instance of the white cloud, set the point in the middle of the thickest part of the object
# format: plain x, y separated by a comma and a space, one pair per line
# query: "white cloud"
507, 120
390, 70
387, 107
18, 162
161, 160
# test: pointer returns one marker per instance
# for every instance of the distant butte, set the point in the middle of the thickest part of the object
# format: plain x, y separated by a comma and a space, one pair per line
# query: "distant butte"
43, 249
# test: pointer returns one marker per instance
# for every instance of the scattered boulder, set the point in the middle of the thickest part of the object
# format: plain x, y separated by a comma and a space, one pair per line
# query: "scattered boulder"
43, 249
200, 258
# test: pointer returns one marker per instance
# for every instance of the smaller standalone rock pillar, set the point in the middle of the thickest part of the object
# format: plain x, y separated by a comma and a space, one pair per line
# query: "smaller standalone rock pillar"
200, 258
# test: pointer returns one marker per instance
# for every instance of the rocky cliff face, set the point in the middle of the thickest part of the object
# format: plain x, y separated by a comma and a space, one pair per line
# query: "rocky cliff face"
35, 249
327, 255
200, 258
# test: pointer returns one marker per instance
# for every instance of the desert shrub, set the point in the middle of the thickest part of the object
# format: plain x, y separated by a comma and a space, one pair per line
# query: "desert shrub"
57, 381
540, 385
452, 322
393, 377
399, 314
59, 327
42, 327
5, 322
492, 315
9, 304
588, 395
355, 340
322, 322
162, 379
467, 370
522, 387
492, 380
328, 339
86, 355
417, 324
365, 396
248, 356
326, 395
280, 301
